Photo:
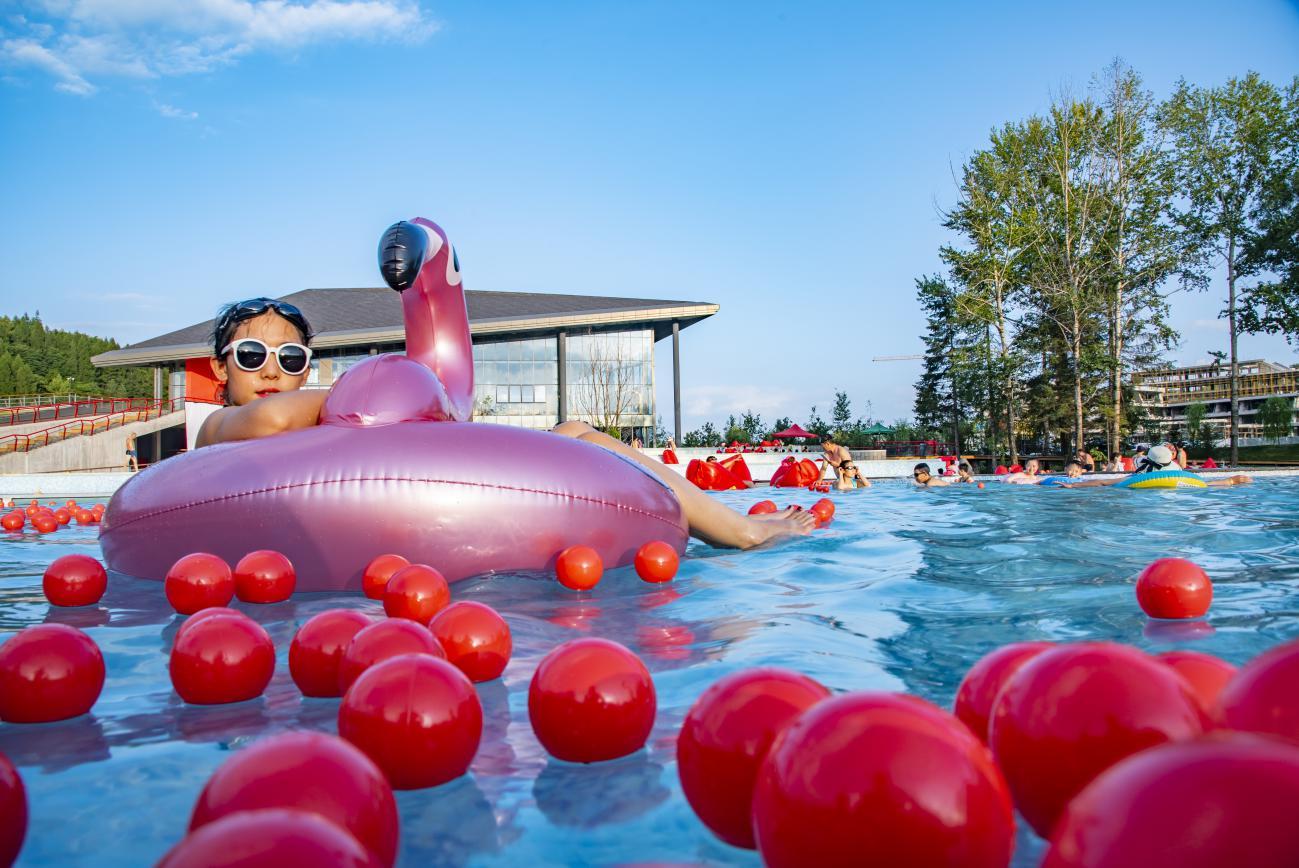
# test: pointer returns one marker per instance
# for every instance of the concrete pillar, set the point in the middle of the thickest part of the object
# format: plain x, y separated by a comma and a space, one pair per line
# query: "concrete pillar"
561, 388
676, 380
157, 383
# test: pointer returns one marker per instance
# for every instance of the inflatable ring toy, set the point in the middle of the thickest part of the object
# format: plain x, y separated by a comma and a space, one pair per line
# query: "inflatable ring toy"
395, 467
1162, 479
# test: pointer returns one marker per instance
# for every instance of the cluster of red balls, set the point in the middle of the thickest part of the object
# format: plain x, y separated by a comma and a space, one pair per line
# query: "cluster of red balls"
1110, 753
580, 568
823, 509
46, 520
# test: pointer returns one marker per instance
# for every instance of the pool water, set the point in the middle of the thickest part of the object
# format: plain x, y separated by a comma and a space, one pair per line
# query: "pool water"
904, 591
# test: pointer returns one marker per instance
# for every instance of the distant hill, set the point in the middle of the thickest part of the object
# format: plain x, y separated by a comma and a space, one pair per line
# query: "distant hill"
35, 360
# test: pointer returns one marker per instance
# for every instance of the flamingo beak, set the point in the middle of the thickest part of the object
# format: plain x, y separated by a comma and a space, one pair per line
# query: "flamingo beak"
401, 253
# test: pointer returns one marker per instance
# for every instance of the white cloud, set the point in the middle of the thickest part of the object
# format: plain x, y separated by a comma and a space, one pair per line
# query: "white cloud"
715, 403
79, 39
170, 111
1211, 325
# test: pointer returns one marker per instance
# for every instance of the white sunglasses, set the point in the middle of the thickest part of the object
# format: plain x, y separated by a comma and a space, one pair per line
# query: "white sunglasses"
251, 355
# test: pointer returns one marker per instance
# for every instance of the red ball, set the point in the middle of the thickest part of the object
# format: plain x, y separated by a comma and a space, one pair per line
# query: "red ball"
203, 614
223, 658
882, 778
13, 520
75, 580
13, 808
197, 581
381, 641
62, 516
306, 771
1206, 674
1264, 696
85, 516
417, 717
475, 637
269, 838
725, 738
978, 691
763, 507
591, 700
377, 573
1174, 588
1072, 712
657, 562
49, 672
317, 650
264, 577
417, 593
579, 568
823, 509
44, 523
1202, 804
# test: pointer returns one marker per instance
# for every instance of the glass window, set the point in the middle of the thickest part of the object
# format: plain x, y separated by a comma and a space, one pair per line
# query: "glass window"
516, 394
539, 393
502, 394
526, 394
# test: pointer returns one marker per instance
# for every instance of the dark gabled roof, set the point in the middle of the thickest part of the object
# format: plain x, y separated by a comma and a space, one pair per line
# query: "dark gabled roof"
361, 315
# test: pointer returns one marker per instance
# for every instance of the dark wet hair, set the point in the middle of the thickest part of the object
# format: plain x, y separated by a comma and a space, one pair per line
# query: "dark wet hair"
921, 466
234, 313
1073, 463
965, 465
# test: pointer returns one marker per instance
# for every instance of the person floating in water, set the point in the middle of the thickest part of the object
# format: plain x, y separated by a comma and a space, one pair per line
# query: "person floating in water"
1030, 475
1160, 458
261, 355
921, 475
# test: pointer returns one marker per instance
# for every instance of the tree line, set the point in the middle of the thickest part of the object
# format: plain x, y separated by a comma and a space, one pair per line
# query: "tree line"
35, 359
1075, 227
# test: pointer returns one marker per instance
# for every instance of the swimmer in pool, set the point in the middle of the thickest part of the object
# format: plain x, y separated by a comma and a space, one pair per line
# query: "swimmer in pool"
1073, 469
921, 475
1030, 475
1159, 458
850, 478
964, 472
261, 355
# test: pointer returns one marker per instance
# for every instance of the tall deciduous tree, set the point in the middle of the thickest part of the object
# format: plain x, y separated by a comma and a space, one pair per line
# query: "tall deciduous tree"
1225, 140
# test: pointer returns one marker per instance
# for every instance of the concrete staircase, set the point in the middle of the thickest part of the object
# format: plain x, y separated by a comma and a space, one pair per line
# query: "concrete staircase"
99, 451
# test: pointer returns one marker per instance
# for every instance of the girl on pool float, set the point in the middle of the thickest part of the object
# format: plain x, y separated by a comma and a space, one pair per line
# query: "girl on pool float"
261, 355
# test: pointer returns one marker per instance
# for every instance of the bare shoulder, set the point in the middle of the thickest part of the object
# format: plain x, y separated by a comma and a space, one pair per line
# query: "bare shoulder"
208, 432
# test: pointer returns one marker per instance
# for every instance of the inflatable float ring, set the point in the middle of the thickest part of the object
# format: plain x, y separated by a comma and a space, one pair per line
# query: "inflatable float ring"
1162, 479
395, 467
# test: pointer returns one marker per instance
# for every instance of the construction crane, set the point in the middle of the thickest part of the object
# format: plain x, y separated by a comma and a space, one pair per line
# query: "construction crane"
903, 358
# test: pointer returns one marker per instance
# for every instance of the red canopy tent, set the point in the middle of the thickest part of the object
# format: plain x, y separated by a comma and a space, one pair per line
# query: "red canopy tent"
792, 432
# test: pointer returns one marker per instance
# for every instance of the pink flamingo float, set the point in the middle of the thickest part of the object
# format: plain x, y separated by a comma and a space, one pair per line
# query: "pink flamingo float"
395, 467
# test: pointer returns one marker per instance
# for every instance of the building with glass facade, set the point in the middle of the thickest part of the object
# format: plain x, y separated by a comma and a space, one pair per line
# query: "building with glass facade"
539, 358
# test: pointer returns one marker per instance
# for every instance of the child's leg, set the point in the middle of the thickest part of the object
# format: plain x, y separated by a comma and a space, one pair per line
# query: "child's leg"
709, 519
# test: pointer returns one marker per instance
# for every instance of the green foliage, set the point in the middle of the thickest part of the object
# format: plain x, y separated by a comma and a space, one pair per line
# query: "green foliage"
36, 359
815, 424
841, 413
1276, 415
705, 435
1199, 434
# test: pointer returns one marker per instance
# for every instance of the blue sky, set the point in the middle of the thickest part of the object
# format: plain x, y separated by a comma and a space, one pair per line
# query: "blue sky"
787, 161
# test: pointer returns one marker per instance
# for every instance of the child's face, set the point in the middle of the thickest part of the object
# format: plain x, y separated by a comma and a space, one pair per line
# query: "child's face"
243, 387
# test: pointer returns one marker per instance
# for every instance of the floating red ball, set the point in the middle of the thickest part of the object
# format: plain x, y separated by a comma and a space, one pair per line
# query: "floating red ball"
884, 779
377, 573
1174, 588
1206, 674
269, 838
264, 577
62, 516
763, 507
1072, 712
316, 652
475, 637
726, 736
49, 672
591, 700
1264, 695
85, 516
13, 808
74, 580
222, 658
306, 771
381, 641
13, 520
823, 509
197, 581
979, 688
417, 716
657, 562
44, 523
1223, 800
579, 568
417, 593
203, 614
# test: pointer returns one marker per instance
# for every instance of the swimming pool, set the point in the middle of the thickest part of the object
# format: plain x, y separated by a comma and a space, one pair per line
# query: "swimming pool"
903, 591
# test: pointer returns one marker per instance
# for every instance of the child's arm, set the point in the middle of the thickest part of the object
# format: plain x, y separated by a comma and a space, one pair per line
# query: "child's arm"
273, 414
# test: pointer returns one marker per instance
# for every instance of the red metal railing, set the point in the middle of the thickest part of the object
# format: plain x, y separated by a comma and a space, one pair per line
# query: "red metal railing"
52, 412
78, 427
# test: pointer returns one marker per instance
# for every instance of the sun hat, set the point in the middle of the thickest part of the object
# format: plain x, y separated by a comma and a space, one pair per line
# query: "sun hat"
1161, 456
